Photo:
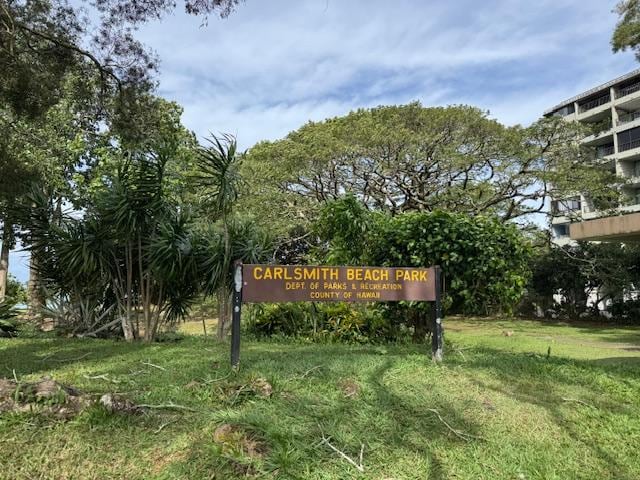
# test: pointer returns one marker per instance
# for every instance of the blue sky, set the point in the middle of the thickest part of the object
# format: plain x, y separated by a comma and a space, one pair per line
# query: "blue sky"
273, 65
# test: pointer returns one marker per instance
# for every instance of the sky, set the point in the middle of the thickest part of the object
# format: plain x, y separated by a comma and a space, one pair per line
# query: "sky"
274, 65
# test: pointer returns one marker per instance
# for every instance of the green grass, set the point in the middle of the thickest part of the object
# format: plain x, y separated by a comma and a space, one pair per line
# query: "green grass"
572, 415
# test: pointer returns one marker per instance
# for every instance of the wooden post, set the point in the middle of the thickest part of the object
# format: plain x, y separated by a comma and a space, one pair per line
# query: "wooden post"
436, 333
235, 322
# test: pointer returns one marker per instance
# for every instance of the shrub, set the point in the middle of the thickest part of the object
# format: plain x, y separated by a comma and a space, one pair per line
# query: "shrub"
484, 260
325, 322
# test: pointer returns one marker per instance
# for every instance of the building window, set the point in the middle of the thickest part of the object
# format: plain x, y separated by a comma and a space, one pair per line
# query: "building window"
561, 231
562, 207
604, 150
629, 139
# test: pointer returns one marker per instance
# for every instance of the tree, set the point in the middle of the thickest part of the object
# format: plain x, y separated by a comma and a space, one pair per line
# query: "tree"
584, 276
627, 32
220, 180
411, 158
50, 52
40, 40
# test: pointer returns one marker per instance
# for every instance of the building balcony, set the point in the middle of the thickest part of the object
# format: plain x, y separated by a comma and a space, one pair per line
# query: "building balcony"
592, 104
627, 118
628, 97
604, 151
559, 219
628, 90
595, 109
628, 146
603, 137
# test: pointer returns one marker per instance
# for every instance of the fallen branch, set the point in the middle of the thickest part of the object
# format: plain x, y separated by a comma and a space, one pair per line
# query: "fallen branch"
467, 437
159, 429
101, 377
325, 440
358, 466
310, 370
153, 365
579, 401
167, 406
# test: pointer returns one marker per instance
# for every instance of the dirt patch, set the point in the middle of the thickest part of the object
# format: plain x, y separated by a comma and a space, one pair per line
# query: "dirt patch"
241, 447
349, 388
235, 440
163, 460
44, 396
258, 387
261, 387
119, 404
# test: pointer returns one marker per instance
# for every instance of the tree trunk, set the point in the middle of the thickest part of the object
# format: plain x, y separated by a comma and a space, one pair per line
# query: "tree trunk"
36, 300
223, 294
127, 326
7, 239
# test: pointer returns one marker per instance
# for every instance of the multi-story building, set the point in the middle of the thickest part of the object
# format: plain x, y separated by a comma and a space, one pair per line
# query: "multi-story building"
612, 111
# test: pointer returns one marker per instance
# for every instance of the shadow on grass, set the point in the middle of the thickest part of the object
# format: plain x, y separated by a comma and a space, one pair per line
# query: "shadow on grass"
389, 424
41, 356
609, 386
389, 421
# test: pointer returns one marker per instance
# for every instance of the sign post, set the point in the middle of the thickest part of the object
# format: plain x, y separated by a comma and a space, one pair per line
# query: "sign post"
235, 319
436, 330
322, 283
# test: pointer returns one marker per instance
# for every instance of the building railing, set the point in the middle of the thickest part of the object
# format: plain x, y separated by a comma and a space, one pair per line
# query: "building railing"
629, 145
595, 103
604, 151
623, 92
628, 117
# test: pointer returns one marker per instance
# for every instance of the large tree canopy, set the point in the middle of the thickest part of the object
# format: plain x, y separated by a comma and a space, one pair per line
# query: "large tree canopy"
412, 158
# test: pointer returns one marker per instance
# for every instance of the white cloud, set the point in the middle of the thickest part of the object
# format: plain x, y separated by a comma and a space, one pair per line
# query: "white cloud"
273, 65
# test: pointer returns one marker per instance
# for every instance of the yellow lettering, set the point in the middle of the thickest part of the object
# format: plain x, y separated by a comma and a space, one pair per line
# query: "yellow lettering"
257, 273
268, 274
350, 274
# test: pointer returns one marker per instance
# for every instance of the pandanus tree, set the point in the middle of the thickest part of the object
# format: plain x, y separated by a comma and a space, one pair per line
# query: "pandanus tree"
135, 259
220, 181
131, 260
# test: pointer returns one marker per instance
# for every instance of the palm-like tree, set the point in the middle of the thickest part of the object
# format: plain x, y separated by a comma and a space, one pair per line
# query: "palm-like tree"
220, 182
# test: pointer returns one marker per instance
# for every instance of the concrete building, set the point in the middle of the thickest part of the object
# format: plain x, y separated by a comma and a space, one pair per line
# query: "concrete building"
612, 111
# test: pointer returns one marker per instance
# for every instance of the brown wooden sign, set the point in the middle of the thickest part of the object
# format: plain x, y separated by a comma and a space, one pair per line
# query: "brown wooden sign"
319, 283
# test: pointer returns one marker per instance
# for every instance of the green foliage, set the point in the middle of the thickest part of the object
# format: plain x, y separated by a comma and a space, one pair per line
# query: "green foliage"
323, 322
484, 260
627, 32
406, 158
344, 222
16, 291
608, 272
8, 325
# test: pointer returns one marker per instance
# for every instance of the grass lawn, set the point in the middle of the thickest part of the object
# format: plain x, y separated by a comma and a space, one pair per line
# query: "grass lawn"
498, 408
